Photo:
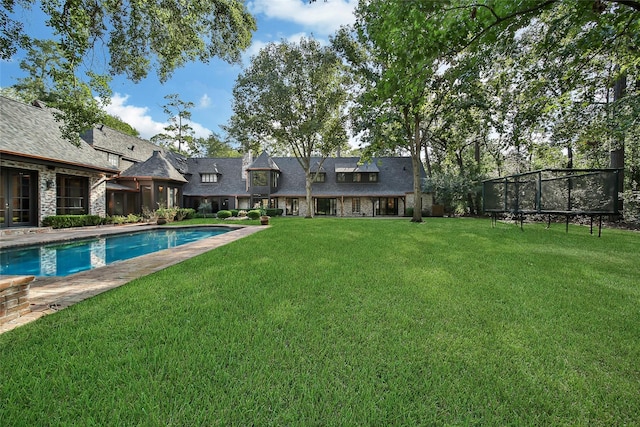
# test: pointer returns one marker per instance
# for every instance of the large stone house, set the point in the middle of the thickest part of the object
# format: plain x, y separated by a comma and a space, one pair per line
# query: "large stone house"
112, 173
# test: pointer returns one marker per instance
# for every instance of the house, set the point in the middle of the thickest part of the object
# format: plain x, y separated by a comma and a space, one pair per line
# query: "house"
41, 173
111, 173
343, 186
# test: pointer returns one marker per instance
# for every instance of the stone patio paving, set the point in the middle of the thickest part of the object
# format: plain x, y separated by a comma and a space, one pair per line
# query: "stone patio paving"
48, 295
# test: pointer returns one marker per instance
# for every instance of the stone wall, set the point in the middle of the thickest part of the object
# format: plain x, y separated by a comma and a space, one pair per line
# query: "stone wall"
47, 196
14, 297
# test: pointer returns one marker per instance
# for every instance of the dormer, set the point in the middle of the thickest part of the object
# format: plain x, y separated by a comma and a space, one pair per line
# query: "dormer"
210, 176
350, 173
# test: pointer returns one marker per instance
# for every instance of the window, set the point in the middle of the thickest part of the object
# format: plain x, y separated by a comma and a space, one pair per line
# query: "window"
259, 178
357, 177
319, 177
341, 177
209, 177
355, 205
373, 177
72, 196
113, 159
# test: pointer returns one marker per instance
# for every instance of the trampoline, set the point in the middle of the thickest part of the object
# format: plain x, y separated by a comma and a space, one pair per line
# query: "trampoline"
563, 192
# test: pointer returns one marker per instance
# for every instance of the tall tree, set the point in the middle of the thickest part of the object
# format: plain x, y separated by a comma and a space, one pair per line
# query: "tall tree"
178, 132
291, 98
411, 77
136, 36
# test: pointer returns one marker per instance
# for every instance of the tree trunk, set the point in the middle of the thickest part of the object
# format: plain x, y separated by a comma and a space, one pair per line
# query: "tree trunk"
307, 186
417, 179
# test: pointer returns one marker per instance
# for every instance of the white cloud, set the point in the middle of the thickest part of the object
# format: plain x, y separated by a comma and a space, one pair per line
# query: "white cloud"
141, 120
205, 101
138, 117
320, 17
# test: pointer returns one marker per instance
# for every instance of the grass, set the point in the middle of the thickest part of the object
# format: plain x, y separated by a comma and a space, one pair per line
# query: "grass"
349, 322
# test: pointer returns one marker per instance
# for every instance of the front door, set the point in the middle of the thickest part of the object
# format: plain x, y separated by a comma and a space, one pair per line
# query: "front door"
18, 197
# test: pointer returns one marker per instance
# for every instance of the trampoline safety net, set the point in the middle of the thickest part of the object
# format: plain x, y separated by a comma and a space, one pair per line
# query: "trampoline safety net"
554, 191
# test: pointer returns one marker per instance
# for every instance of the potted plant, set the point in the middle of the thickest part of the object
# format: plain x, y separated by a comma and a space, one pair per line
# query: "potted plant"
264, 218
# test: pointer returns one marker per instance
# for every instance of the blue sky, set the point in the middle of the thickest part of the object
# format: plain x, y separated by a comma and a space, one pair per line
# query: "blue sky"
209, 86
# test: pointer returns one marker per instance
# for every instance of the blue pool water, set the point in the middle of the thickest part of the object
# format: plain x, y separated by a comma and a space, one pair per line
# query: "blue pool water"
62, 259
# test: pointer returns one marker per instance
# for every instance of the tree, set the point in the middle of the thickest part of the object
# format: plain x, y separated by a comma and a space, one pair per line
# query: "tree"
178, 131
136, 36
291, 98
214, 146
410, 77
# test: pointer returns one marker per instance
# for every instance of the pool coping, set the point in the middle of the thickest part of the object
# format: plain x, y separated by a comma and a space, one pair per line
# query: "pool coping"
49, 295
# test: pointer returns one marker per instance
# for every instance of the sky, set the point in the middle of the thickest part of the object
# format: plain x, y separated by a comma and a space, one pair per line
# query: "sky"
209, 86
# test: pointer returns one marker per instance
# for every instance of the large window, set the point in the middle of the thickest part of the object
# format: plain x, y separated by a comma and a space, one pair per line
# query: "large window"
72, 196
259, 178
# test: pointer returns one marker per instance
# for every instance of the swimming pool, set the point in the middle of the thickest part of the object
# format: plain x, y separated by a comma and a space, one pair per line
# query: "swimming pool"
69, 257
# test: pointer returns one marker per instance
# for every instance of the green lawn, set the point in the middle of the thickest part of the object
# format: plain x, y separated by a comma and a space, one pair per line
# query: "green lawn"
350, 322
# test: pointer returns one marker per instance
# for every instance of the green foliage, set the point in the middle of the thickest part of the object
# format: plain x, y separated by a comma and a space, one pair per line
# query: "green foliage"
292, 98
179, 134
184, 213
139, 36
116, 123
214, 146
68, 221
234, 212
224, 214
273, 212
253, 214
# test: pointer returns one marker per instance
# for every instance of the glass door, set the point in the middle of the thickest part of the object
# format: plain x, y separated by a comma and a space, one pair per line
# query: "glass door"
17, 197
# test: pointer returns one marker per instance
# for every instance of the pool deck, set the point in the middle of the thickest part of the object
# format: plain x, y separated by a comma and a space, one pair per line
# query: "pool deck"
48, 295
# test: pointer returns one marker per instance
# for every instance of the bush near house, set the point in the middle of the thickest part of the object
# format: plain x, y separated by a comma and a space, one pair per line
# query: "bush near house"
253, 214
68, 221
224, 214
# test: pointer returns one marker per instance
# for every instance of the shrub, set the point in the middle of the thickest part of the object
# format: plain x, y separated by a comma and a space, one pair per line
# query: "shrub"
242, 213
185, 213
273, 212
68, 221
234, 212
132, 219
223, 214
253, 214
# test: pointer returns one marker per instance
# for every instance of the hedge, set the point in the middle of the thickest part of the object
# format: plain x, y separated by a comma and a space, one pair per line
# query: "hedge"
68, 221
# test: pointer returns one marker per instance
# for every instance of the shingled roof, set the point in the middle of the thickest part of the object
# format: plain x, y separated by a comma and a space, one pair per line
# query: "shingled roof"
158, 167
230, 180
130, 147
395, 177
33, 132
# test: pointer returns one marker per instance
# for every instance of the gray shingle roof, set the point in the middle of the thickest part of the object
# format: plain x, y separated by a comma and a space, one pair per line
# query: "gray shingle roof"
230, 182
264, 162
395, 178
110, 140
158, 166
33, 132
